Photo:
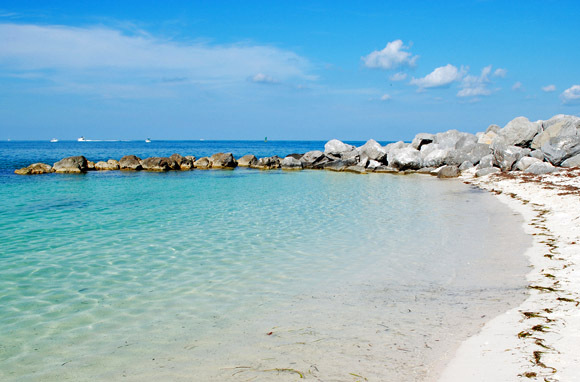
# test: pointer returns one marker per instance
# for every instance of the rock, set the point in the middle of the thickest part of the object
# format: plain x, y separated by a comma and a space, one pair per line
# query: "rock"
295, 156
182, 163
268, 163
90, 165
291, 163
540, 168
405, 159
519, 132
337, 165
247, 161
336, 147
77, 164
558, 149
453, 139
493, 129
130, 162
538, 154
422, 139
505, 156
435, 157
313, 159
486, 162
465, 165
558, 126
395, 146
477, 152
427, 170
223, 160
357, 169
202, 163
572, 161
373, 164
386, 170
487, 138
110, 165
159, 164
373, 151
35, 169
486, 171
525, 162
448, 172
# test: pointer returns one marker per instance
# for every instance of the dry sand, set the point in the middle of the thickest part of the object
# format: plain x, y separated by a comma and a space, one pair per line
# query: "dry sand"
540, 339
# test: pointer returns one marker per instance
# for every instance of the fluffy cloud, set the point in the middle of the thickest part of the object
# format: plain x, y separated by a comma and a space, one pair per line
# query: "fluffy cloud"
472, 86
261, 78
394, 55
439, 77
385, 97
571, 96
81, 58
549, 88
400, 76
500, 72
517, 86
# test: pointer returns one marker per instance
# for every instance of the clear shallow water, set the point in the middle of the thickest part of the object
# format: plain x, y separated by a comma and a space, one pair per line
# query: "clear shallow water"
145, 276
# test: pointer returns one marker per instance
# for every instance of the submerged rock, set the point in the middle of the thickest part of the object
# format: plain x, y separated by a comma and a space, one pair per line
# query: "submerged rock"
35, 169
130, 162
74, 165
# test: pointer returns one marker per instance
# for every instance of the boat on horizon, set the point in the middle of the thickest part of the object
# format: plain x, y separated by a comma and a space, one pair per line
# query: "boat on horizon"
81, 139
53, 140
147, 140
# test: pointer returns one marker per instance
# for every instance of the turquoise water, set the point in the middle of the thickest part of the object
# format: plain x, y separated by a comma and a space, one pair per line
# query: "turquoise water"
182, 275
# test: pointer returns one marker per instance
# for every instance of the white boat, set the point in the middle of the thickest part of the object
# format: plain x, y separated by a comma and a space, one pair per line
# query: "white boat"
53, 140
82, 139
147, 140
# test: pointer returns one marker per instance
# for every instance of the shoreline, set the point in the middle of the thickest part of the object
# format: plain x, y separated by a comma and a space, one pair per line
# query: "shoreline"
540, 339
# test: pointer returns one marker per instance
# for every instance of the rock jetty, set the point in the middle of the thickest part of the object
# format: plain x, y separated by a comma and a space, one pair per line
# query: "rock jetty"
538, 147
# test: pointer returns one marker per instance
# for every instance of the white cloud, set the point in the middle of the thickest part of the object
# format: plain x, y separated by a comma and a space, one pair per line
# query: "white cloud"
549, 88
500, 72
385, 97
88, 57
439, 77
400, 76
472, 86
571, 96
263, 79
394, 55
517, 86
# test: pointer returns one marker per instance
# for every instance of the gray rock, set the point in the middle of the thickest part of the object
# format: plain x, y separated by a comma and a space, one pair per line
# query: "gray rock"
77, 164
110, 165
223, 160
558, 149
505, 156
405, 159
337, 165
295, 156
202, 163
453, 139
373, 151
538, 154
247, 161
386, 170
465, 166
336, 147
448, 172
477, 152
558, 126
158, 164
291, 163
519, 132
540, 168
433, 156
313, 159
486, 171
422, 139
268, 163
35, 169
130, 162
572, 161
373, 164
358, 169
486, 162
487, 138
525, 162
493, 129
427, 170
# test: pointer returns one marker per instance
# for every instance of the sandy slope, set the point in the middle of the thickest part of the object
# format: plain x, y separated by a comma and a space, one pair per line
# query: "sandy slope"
539, 340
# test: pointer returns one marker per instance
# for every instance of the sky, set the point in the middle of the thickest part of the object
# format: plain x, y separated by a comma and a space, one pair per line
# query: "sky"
297, 70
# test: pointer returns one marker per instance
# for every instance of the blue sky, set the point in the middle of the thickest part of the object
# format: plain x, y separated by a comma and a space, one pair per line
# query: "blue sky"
295, 70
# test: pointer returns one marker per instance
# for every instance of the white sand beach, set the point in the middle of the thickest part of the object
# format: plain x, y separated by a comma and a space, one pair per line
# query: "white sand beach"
540, 339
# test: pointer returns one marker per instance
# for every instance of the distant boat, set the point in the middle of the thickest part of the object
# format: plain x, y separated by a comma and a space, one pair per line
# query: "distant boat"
53, 140
265, 139
81, 139
147, 140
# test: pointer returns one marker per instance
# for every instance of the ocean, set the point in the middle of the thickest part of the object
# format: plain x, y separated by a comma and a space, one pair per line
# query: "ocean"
243, 275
